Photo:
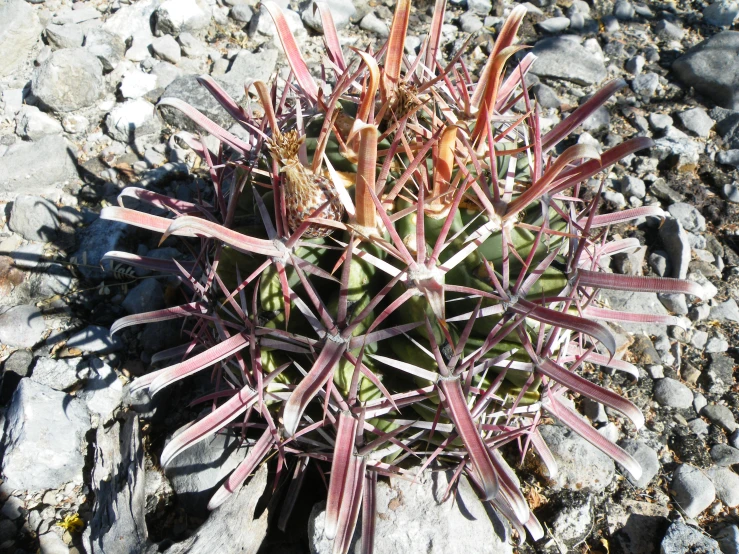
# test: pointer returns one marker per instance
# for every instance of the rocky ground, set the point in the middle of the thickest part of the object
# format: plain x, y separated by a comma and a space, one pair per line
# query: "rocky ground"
79, 83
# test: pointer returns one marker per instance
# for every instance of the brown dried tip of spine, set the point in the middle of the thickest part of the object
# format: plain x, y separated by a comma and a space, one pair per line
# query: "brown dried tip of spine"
305, 191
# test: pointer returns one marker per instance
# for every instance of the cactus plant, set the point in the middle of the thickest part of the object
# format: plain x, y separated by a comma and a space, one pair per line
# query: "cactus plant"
395, 270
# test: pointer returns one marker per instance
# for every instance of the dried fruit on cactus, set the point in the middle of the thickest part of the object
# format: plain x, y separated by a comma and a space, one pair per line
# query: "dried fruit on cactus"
397, 276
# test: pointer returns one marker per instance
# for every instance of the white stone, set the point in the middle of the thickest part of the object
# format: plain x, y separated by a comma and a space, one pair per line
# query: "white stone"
136, 83
176, 16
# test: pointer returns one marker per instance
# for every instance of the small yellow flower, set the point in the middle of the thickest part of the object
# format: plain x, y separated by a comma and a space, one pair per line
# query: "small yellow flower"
72, 523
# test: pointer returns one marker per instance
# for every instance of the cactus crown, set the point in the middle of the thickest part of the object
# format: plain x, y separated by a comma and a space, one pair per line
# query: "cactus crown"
395, 275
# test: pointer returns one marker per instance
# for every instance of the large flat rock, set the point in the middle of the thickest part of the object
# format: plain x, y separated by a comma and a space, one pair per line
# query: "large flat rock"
39, 168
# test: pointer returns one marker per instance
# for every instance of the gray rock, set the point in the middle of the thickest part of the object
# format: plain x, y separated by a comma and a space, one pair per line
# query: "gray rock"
635, 525
709, 69
469, 22
633, 186
660, 263
595, 411
623, 10
673, 394
615, 198
454, 527
67, 16
668, 30
675, 303
715, 344
720, 372
248, 66
135, 83
166, 73
697, 121
700, 338
244, 14
20, 29
647, 458
728, 157
16, 367
36, 168
176, 16
373, 24
599, 119
96, 240
52, 543
721, 416
263, 24
13, 508
118, 522
65, 36
635, 302
188, 89
554, 24
44, 438
219, 534
147, 296
22, 326
198, 470
33, 124
726, 311
724, 455
69, 80
728, 539
581, 465
734, 439
675, 240
565, 58
660, 122
34, 218
103, 391
635, 64
59, 374
681, 539
341, 12
721, 13
572, 523
688, 216
166, 48
731, 192
481, 7
95, 339
645, 84
106, 46
192, 46
546, 96
698, 427
132, 20
692, 490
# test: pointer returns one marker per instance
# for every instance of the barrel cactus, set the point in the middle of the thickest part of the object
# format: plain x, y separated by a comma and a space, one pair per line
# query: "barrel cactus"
395, 269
